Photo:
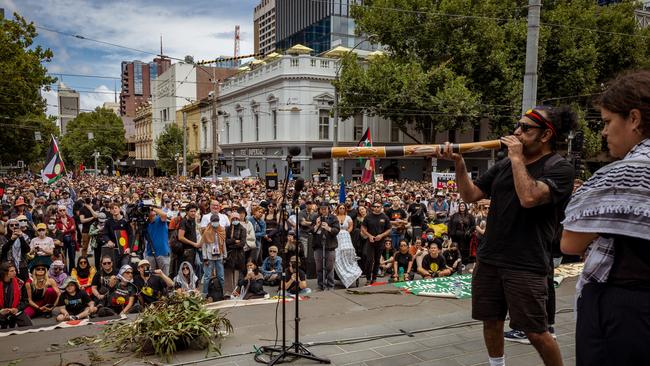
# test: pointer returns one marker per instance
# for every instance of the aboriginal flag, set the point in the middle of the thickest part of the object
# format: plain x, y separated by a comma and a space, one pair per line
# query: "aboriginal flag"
122, 239
369, 166
54, 167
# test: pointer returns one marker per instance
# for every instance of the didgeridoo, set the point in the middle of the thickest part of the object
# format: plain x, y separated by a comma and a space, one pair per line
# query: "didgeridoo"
350, 152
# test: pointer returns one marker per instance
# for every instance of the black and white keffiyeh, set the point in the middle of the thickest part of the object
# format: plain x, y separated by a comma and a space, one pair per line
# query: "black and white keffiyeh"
615, 201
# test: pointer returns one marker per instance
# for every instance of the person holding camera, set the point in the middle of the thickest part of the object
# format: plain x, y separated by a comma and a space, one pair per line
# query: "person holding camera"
157, 251
118, 235
16, 249
151, 284
87, 217
324, 231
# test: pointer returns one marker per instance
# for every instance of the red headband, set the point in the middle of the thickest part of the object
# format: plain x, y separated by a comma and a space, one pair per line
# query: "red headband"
537, 117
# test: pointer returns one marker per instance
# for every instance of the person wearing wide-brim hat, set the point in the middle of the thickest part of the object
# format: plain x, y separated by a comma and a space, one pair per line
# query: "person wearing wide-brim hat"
42, 291
73, 303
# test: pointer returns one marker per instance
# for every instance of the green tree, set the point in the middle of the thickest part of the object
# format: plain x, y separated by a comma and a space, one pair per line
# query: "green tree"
168, 144
108, 137
22, 109
478, 49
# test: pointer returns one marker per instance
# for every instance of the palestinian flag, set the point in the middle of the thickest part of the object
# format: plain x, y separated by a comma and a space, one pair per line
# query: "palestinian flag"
54, 167
369, 167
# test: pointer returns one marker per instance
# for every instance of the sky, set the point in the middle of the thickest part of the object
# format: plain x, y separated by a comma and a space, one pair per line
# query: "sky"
203, 29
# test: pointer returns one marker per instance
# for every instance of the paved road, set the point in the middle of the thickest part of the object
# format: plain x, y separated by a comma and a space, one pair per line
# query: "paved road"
326, 317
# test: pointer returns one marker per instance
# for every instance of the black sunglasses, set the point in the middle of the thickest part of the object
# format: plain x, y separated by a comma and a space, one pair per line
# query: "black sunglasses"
107, 263
526, 127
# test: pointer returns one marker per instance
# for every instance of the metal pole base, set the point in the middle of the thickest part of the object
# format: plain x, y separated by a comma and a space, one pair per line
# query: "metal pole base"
296, 350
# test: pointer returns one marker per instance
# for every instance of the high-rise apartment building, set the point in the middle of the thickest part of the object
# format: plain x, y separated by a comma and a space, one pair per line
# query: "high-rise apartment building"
68, 105
264, 27
136, 82
320, 25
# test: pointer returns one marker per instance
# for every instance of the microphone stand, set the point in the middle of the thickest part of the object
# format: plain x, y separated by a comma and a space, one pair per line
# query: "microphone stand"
297, 349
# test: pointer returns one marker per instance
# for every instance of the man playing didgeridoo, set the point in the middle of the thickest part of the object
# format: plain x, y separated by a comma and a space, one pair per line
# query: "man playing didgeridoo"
528, 191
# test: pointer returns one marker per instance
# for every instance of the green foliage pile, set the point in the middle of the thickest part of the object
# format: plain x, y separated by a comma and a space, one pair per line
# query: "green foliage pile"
175, 323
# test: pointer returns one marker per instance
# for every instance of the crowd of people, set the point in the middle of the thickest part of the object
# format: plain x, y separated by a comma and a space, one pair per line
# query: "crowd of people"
98, 246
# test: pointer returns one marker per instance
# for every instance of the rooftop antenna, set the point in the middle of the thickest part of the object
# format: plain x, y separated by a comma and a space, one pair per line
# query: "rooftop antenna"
236, 43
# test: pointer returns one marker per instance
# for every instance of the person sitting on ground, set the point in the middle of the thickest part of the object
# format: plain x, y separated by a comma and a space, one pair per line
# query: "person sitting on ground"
295, 281
153, 285
453, 258
272, 267
252, 285
186, 281
13, 298
387, 259
57, 273
74, 303
84, 274
122, 299
434, 265
290, 249
42, 246
104, 281
403, 262
42, 292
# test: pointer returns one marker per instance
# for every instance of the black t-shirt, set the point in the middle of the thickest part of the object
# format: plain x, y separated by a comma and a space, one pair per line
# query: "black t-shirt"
376, 224
434, 264
189, 225
397, 214
451, 256
101, 280
294, 288
403, 260
150, 290
418, 213
85, 212
74, 304
520, 238
631, 266
119, 298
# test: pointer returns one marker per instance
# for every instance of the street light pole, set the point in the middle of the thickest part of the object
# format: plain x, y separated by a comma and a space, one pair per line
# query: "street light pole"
215, 129
185, 144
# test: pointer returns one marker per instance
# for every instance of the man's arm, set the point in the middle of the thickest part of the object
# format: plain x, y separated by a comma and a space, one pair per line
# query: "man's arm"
160, 213
530, 192
469, 192
183, 239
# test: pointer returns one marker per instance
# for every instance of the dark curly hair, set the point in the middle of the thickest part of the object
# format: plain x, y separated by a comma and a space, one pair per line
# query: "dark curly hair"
630, 90
563, 118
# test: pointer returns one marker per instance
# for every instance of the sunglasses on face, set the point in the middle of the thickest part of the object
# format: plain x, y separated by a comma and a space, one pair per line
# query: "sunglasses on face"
273, 251
106, 263
40, 269
185, 269
83, 262
526, 127
56, 269
13, 225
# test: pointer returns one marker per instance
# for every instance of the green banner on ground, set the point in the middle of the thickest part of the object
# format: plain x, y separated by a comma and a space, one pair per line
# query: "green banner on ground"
456, 286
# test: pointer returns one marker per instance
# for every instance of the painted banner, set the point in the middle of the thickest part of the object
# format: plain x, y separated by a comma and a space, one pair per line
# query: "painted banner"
456, 286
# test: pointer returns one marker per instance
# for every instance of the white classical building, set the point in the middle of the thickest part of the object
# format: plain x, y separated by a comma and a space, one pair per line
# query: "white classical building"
287, 102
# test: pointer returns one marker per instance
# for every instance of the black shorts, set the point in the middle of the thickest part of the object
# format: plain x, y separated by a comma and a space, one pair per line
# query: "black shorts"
497, 291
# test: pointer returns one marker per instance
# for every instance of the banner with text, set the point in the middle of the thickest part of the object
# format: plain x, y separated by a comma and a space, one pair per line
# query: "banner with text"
456, 286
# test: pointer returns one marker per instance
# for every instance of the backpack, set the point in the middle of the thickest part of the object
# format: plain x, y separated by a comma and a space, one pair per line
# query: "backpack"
215, 291
174, 244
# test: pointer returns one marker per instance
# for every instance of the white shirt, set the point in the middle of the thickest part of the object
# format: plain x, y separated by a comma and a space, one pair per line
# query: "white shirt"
223, 220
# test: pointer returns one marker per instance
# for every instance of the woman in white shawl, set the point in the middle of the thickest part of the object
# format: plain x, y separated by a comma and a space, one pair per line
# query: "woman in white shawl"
186, 281
608, 220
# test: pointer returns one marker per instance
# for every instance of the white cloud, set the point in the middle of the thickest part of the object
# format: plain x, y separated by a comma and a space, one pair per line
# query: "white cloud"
186, 30
88, 101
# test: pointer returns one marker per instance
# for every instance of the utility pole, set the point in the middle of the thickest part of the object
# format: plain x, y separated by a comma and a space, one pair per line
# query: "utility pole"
529, 98
96, 155
335, 162
185, 144
215, 139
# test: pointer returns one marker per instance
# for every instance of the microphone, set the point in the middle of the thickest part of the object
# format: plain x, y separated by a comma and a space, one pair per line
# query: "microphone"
297, 188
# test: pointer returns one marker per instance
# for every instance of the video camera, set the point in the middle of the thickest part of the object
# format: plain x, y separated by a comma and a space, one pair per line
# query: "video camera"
139, 212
